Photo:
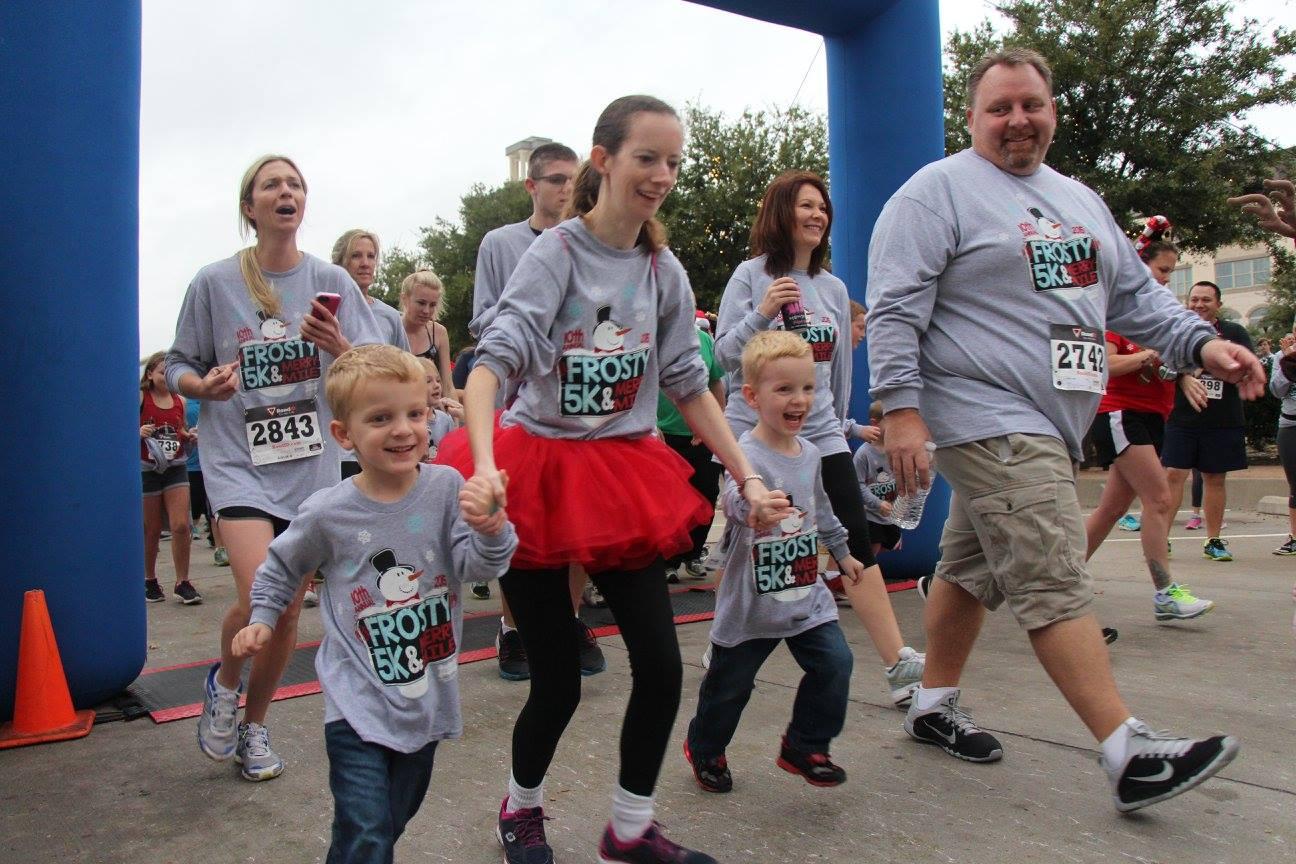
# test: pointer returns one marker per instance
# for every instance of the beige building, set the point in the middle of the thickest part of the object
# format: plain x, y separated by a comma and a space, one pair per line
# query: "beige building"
519, 154
1241, 272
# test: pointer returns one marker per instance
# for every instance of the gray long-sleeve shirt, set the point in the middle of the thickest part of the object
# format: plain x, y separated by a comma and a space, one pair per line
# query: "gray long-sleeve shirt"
388, 661
827, 305
591, 331
877, 482
771, 587
279, 408
989, 292
1281, 387
497, 258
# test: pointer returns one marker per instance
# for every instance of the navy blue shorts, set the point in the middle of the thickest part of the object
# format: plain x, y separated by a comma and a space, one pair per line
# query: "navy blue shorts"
1210, 451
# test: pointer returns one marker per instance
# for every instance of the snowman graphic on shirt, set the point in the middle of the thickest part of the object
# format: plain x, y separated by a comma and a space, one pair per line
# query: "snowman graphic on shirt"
785, 560
1063, 264
595, 384
275, 364
408, 630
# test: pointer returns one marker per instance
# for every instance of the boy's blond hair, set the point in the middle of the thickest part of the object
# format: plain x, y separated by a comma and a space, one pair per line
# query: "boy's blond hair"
367, 363
768, 346
428, 366
876, 410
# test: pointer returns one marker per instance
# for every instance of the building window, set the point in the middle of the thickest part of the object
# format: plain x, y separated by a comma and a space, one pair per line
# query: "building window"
1257, 315
1238, 275
1181, 280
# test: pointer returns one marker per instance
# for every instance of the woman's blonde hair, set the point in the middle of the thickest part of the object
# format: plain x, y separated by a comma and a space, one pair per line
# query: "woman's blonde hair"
423, 278
342, 248
149, 365
259, 288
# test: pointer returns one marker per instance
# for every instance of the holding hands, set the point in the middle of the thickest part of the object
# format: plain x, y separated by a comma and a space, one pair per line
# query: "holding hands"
852, 569
768, 508
482, 500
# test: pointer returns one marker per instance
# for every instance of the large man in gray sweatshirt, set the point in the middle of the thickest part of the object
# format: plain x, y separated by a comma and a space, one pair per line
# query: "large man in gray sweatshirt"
991, 280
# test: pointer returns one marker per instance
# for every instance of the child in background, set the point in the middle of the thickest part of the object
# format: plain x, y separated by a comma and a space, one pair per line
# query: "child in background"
771, 590
396, 540
444, 414
877, 485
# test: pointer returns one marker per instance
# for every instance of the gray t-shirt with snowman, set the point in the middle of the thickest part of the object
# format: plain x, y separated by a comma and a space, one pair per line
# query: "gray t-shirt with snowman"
591, 332
877, 483
827, 306
771, 587
388, 662
268, 446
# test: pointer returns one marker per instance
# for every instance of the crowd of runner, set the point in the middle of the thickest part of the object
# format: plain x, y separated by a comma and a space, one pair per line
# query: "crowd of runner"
576, 450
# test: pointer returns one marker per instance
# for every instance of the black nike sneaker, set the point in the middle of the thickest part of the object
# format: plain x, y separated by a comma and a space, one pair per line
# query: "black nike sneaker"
950, 728
1160, 766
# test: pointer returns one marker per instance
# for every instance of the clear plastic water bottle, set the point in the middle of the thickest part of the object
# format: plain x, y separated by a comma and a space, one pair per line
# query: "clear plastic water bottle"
907, 510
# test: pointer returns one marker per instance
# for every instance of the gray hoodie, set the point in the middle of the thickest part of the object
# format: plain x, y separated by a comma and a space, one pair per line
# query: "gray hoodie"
988, 297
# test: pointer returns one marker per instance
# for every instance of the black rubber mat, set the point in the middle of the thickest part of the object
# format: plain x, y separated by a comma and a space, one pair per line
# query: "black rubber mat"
170, 693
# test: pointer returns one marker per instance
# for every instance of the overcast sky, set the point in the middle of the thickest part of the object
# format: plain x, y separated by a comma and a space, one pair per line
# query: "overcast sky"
393, 111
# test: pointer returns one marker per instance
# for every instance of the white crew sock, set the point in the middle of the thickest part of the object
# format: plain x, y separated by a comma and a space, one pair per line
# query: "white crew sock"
927, 697
505, 627
521, 797
631, 815
1115, 747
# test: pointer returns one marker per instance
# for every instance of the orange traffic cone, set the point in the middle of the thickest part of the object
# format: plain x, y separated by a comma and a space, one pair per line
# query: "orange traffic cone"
42, 705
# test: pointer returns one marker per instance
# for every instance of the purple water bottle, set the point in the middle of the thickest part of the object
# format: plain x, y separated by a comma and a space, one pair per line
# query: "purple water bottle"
794, 317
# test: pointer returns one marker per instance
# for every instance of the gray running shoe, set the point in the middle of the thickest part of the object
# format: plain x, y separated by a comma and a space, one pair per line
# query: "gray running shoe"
254, 754
217, 724
904, 677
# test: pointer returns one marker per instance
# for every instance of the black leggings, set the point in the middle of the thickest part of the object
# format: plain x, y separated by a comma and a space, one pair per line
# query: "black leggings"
842, 485
1287, 456
1197, 488
641, 606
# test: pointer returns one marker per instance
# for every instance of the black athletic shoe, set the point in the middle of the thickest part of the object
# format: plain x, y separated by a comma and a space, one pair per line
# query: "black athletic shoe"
592, 661
1110, 635
923, 585
513, 663
1160, 766
816, 768
481, 590
949, 727
188, 594
153, 591
711, 774
522, 835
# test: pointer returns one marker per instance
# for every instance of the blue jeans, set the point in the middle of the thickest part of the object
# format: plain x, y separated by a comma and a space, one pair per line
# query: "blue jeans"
376, 791
818, 713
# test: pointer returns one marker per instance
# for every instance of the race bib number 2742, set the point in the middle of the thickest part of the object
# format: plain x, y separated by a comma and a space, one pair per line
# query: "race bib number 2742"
1078, 357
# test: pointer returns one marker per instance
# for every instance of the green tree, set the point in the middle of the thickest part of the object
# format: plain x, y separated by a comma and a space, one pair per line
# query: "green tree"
1152, 97
450, 249
727, 165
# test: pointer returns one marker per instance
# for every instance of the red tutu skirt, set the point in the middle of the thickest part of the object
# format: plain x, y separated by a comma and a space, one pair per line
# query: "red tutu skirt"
607, 504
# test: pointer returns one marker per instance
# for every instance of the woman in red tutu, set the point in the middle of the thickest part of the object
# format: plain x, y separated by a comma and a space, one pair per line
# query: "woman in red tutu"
597, 316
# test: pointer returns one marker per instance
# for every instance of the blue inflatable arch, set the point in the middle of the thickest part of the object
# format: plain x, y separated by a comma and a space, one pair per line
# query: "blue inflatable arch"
69, 123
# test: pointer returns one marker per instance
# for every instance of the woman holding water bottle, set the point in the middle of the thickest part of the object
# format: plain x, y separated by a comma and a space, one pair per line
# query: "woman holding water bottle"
784, 286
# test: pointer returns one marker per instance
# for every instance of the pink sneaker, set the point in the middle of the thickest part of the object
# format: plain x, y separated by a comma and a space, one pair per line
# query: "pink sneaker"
1194, 523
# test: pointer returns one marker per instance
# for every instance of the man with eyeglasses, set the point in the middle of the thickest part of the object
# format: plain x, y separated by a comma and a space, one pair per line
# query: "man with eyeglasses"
550, 172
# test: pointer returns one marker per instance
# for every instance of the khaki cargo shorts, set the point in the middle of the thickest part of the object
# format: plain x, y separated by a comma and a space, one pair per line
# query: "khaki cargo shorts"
1015, 530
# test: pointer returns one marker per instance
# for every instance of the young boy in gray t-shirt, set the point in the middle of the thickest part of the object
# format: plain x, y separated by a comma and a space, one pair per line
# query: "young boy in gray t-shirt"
396, 541
770, 590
